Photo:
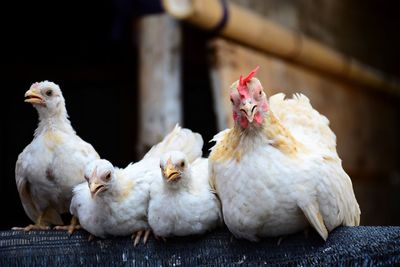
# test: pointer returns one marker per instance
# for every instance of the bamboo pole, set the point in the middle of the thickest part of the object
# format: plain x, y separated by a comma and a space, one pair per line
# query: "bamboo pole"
248, 28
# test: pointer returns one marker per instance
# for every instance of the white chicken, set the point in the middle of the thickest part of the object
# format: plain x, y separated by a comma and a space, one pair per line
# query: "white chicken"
277, 171
183, 204
114, 202
53, 163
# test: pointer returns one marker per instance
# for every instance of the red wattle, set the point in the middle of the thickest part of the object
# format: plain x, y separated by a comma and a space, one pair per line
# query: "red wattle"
258, 118
235, 116
244, 122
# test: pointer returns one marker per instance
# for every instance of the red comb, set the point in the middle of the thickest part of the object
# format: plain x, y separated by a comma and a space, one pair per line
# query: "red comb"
242, 88
251, 75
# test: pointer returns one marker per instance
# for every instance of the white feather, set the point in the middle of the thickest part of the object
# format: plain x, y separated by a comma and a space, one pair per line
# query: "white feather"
304, 122
270, 193
181, 140
123, 208
188, 209
52, 164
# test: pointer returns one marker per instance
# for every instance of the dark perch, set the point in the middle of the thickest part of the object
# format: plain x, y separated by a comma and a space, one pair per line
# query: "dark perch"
357, 246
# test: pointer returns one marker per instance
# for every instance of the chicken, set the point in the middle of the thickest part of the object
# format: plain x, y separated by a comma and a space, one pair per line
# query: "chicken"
53, 163
277, 171
114, 202
184, 204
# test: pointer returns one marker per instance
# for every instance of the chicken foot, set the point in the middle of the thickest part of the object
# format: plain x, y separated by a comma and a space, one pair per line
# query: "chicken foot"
71, 228
137, 235
39, 225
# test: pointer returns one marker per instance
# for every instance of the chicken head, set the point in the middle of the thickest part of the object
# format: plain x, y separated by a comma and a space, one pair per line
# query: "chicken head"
99, 174
249, 102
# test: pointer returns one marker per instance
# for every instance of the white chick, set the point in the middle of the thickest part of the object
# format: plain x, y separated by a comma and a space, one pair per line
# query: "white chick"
114, 202
184, 203
53, 163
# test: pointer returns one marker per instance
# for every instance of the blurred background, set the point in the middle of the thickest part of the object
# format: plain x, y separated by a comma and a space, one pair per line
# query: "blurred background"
129, 71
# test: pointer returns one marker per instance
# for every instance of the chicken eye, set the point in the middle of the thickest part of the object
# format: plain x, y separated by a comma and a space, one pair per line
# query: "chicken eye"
182, 164
260, 93
108, 176
49, 92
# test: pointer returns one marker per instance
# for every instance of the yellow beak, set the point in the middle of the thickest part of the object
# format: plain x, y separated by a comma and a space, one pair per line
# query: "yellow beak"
96, 187
33, 97
171, 173
249, 111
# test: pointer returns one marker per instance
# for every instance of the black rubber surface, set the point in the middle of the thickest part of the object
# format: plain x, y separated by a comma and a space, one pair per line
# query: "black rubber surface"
346, 246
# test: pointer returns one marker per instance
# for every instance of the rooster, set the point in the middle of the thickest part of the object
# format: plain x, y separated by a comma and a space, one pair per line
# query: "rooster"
277, 170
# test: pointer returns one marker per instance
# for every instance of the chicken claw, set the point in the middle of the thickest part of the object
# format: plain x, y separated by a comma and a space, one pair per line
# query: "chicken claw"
146, 236
137, 235
32, 227
91, 238
71, 228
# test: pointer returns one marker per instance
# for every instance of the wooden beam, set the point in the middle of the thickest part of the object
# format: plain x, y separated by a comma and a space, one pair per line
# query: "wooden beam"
160, 106
251, 29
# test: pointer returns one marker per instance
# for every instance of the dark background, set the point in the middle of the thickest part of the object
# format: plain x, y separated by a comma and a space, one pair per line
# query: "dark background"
70, 44
90, 50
